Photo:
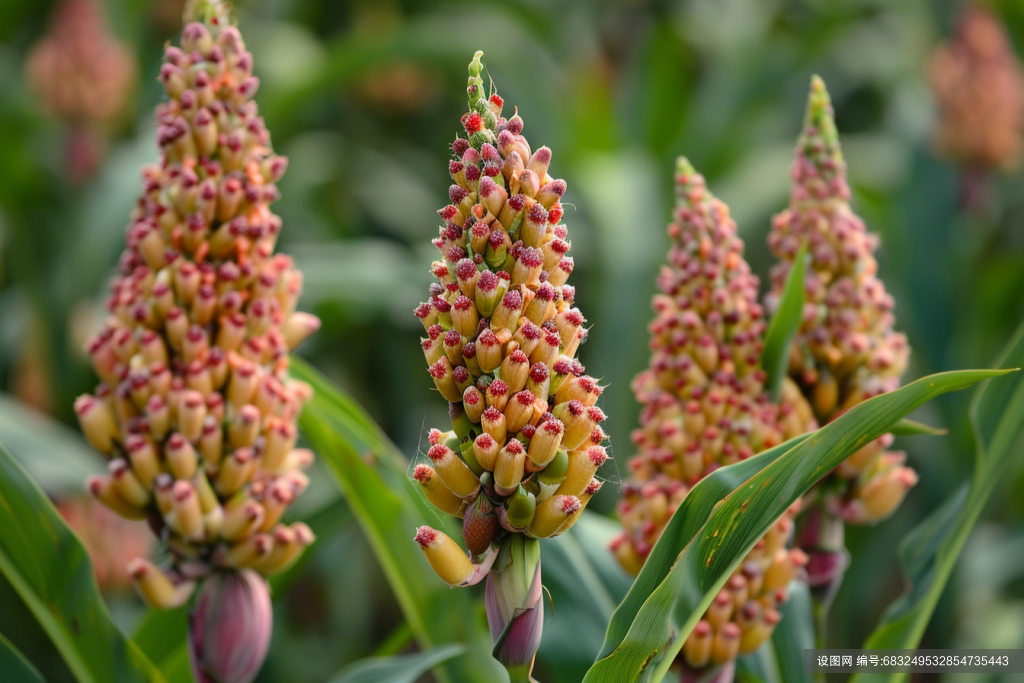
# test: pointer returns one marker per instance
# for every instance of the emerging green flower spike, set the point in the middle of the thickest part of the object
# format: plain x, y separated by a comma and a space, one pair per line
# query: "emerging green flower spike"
846, 350
705, 406
502, 335
196, 410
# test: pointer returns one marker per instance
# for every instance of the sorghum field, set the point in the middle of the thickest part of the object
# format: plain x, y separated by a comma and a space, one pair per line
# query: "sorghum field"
469, 342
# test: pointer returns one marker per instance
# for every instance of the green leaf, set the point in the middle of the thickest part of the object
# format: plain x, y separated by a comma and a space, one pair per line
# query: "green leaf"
46, 564
161, 635
371, 472
784, 326
55, 456
794, 634
15, 667
781, 659
758, 667
907, 427
929, 553
396, 669
585, 584
680, 530
666, 617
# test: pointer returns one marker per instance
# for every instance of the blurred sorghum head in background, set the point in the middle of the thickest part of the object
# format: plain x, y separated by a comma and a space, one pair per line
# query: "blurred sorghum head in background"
83, 75
846, 350
705, 407
978, 83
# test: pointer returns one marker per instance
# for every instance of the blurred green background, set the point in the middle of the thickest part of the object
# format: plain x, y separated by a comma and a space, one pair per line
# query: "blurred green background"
364, 97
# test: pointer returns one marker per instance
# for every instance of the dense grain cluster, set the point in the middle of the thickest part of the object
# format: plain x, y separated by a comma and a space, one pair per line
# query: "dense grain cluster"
705, 406
846, 350
502, 335
195, 410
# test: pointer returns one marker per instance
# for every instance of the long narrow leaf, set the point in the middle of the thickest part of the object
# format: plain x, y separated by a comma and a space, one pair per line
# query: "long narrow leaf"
161, 635
389, 509
794, 634
758, 667
348, 416
930, 551
55, 456
784, 325
15, 667
666, 618
585, 584
46, 564
680, 530
907, 427
397, 669
781, 659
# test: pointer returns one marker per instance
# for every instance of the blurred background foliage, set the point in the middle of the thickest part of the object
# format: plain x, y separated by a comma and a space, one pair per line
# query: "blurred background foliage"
364, 98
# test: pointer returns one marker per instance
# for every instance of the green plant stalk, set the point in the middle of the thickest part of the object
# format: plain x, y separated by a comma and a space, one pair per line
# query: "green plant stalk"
830, 538
794, 634
825, 534
515, 608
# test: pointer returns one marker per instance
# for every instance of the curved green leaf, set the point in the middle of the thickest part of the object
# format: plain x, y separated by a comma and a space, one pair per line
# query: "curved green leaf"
371, 472
348, 417
585, 584
758, 667
784, 326
397, 669
161, 635
736, 523
794, 634
680, 530
46, 564
55, 456
907, 427
15, 667
781, 659
929, 553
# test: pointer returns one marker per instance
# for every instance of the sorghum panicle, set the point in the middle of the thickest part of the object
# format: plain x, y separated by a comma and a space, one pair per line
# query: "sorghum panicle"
979, 86
196, 411
83, 75
78, 69
705, 406
846, 350
502, 335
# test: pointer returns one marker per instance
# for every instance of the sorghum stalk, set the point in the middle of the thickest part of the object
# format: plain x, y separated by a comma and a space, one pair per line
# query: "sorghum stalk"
978, 84
519, 463
82, 75
846, 350
196, 410
705, 406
